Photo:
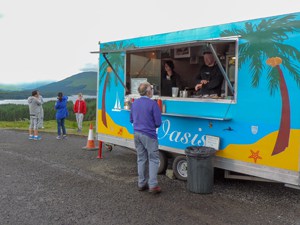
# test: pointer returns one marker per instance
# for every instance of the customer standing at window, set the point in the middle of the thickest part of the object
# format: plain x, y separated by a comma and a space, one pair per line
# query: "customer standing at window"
170, 79
145, 116
61, 114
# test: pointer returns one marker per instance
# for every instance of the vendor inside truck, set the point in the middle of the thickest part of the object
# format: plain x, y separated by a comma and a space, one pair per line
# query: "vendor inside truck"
210, 78
149, 64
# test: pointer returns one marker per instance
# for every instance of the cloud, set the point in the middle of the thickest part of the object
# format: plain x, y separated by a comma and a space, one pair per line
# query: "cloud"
89, 67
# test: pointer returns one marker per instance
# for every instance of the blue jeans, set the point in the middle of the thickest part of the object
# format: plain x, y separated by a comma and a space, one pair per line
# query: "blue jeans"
61, 126
147, 155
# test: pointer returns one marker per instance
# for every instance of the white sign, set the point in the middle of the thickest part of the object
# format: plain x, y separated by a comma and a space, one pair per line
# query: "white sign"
212, 141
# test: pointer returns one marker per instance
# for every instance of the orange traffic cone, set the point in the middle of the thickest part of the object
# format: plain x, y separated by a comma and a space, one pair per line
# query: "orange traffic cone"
90, 142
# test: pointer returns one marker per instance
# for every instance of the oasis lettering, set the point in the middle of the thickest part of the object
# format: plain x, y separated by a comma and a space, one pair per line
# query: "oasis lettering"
179, 136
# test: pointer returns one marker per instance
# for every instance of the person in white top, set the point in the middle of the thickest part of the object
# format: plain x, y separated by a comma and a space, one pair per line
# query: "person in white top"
41, 113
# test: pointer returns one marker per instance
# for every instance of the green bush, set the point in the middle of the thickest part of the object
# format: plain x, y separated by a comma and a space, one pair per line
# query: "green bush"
12, 112
91, 109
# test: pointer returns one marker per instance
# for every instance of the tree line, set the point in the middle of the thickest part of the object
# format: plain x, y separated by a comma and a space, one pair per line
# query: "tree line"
13, 112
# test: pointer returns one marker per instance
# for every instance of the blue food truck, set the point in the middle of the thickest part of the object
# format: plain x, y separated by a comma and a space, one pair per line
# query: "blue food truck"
254, 124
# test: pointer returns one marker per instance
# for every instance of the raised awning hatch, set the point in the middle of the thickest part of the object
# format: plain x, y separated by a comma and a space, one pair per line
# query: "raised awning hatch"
175, 45
207, 43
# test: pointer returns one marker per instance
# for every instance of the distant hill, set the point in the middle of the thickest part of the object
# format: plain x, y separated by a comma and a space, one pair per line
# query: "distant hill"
23, 86
85, 82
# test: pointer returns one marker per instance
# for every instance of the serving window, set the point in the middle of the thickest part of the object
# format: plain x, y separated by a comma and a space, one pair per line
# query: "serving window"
143, 66
187, 59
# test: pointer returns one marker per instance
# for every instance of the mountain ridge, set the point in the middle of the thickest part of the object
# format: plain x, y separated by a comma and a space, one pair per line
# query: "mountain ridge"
23, 86
84, 82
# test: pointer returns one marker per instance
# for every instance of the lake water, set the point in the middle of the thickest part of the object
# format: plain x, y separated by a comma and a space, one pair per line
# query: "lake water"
25, 102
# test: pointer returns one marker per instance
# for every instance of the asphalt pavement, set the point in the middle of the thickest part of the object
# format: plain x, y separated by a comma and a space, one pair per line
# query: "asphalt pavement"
57, 182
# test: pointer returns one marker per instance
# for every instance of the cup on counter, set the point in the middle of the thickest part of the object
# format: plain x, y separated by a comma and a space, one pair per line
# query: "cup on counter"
185, 94
163, 108
175, 91
180, 94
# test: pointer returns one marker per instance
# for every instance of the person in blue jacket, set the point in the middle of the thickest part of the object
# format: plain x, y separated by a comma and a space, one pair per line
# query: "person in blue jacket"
61, 114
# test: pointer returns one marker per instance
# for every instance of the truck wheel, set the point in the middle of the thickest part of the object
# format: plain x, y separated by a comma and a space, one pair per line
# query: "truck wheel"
108, 147
163, 162
180, 168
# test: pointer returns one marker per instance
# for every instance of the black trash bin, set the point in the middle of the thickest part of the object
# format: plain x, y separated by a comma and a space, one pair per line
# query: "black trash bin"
200, 169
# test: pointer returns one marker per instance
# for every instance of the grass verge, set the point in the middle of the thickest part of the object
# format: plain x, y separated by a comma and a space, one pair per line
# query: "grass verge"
50, 126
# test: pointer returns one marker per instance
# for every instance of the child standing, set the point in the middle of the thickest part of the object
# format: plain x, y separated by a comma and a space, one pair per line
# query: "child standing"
61, 114
79, 110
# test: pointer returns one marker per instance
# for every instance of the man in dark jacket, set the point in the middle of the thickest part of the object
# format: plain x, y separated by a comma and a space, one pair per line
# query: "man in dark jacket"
210, 78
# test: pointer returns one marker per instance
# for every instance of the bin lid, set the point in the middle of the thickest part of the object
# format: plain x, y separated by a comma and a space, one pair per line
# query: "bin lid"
200, 151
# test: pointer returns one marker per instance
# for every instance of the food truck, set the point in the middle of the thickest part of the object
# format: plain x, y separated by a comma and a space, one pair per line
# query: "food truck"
254, 124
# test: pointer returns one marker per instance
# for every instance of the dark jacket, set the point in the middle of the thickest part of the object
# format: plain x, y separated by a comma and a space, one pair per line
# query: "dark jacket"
166, 85
215, 78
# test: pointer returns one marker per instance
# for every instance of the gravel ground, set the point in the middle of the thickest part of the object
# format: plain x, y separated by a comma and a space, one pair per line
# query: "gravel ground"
57, 182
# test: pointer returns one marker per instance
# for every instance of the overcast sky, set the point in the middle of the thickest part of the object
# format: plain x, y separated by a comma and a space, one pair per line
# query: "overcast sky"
52, 39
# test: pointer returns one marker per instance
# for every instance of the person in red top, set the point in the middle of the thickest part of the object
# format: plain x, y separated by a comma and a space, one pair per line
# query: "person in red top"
79, 110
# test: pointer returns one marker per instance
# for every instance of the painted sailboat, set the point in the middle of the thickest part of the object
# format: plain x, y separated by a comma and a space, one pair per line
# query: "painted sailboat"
117, 106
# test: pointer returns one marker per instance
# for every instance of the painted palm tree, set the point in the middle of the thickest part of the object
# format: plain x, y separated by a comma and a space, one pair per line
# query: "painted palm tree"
105, 72
254, 49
